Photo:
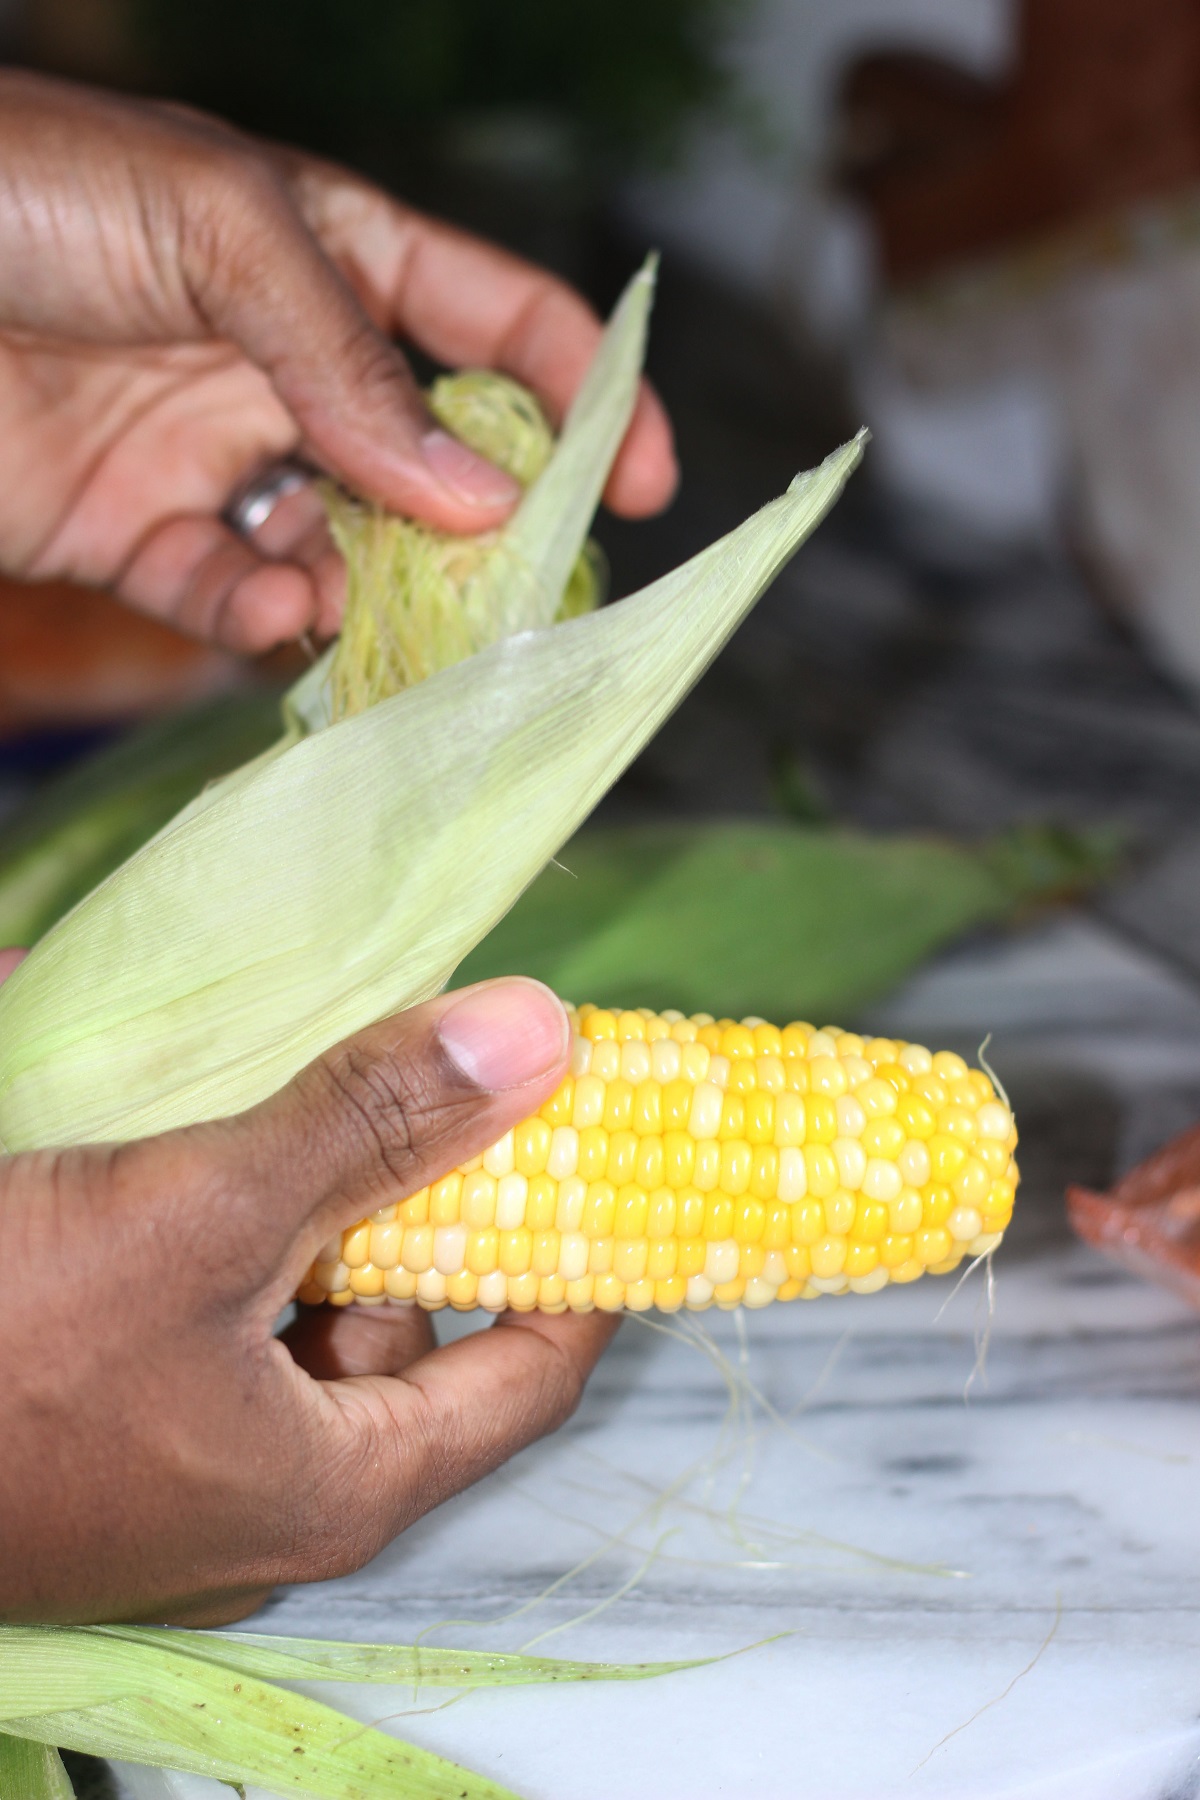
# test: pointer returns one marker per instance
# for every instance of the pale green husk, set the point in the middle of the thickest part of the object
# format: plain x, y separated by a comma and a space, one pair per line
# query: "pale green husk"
344, 876
197, 1702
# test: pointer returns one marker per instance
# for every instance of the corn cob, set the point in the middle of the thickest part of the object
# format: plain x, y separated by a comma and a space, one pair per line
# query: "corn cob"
699, 1162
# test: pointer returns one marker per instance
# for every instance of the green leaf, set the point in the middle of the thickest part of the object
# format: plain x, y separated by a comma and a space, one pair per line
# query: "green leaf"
82, 825
781, 921
347, 877
140, 1702
31, 1771
417, 1665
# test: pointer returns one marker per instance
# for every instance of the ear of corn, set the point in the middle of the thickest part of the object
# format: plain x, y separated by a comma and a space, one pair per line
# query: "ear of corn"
692, 1163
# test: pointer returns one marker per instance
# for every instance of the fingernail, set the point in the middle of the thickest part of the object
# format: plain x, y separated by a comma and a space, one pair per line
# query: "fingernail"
469, 477
505, 1034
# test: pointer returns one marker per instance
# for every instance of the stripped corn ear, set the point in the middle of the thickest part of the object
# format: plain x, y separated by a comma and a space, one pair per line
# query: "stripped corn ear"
692, 1162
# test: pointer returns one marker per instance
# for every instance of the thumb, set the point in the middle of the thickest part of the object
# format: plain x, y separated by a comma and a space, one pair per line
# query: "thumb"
261, 279
373, 1120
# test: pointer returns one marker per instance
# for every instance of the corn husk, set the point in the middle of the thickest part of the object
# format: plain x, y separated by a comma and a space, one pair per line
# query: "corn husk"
205, 1703
344, 876
32, 1771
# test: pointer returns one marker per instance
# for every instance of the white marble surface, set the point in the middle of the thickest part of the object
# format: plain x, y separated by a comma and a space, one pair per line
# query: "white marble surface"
1059, 1660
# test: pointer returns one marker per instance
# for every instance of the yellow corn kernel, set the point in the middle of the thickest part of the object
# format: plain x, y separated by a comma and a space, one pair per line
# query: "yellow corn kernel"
366, 1281
541, 1203
531, 1146
477, 1202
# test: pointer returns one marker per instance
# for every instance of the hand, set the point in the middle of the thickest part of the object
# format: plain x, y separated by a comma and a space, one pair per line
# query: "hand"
180, 304
165, 1456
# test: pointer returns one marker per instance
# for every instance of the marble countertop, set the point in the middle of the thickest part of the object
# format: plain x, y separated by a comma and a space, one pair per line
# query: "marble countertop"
983, 1564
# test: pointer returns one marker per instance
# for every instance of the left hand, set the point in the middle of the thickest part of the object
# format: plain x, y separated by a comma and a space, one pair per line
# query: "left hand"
181, 304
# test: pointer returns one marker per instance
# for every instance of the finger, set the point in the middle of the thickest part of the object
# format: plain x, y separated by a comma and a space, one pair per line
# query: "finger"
330, 1342
296, 530
215, 585
465, 301
456, 1414
9, 960
373, 1120
260, 279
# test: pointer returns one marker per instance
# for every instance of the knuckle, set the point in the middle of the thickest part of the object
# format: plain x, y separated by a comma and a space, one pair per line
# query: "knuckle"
554, 1381
387, 1102
358, 1501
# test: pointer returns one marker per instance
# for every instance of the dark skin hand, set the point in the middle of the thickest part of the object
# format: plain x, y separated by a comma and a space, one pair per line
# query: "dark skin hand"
168, 1458
180, 305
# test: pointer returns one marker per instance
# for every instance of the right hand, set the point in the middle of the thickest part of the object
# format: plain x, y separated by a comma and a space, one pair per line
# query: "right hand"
166, 1457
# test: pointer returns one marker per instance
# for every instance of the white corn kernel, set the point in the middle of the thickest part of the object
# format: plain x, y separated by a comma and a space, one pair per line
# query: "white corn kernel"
450, 1248
635, 1061
915, 1059
881, 1179
665, 1060
851, 1119
704, 1116
498, 1158
581, 1056
572, 1255
512, 1192
492, 1292
695, 1059
699, 1291
793, 1174
718, 1071
993, 1120
721, 1261
964, 1224
431, 1288
851, 1160
606, 1060
914, 1164
757, 1292
986, 1241
563, 1159
869, 1284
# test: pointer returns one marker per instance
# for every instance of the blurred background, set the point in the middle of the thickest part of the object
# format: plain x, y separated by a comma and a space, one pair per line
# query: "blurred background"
970, 224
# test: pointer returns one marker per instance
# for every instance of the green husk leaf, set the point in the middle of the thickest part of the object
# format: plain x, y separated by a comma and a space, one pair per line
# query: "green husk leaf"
777, 920
139, 1702
31, 1771
346, 878
417, 1665
82, 825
